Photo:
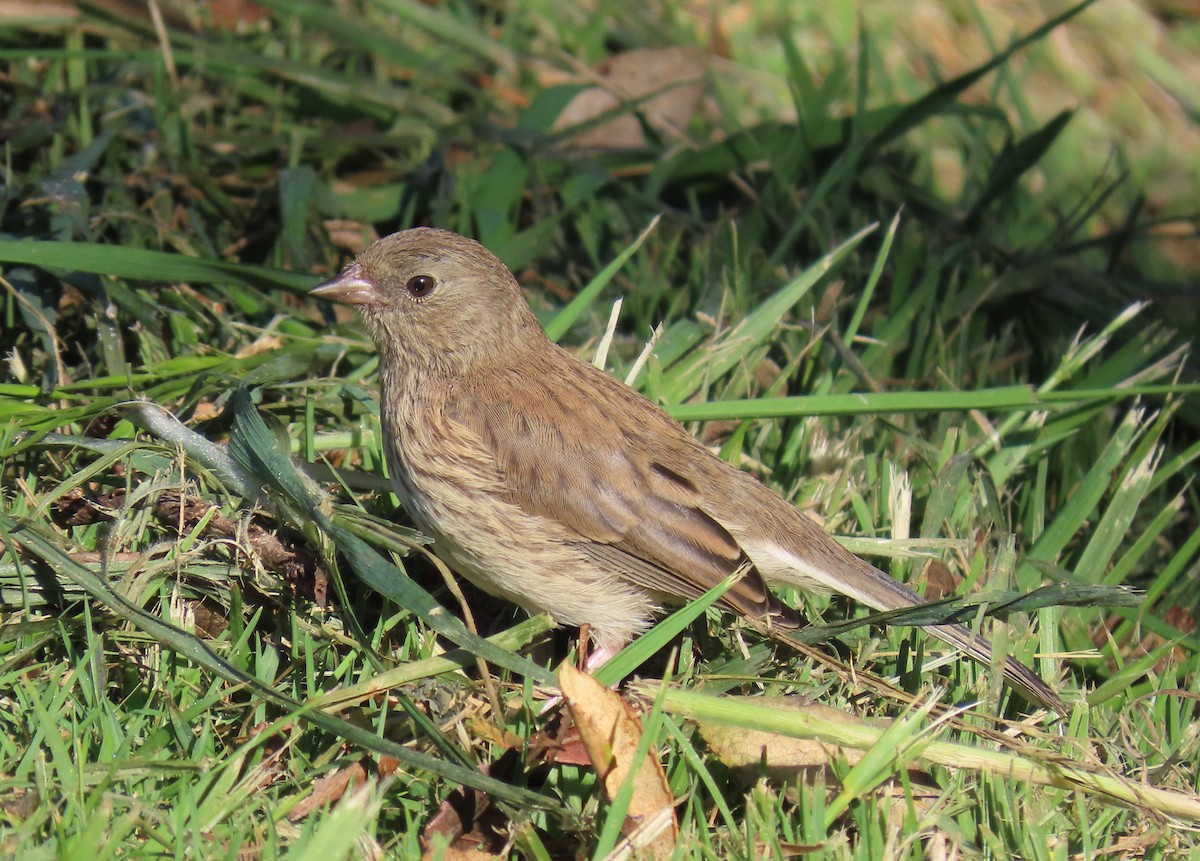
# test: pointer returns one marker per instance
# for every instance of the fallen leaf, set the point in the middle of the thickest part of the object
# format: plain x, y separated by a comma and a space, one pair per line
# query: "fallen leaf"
787, 850
558, 742
267, 343
205, 411
466, 828
664, 85
173, 15
940, 581
749, 753
349, 235
42, 11
611, 732
236, 15
328, 789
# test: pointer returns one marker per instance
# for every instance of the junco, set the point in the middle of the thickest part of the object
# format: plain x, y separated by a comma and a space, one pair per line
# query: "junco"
547, 482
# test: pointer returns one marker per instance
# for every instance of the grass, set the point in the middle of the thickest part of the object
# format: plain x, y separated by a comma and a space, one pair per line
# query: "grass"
985, 386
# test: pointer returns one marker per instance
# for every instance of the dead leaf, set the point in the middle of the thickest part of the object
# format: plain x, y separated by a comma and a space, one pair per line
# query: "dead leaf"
267, 343
570, 752
671, 80
387, 765
557, 742
611, 732
236, 15
784, 758
205, 411
20, 803
749, 752
42, 11
460, 853
466, 828
171, 11
485, 730
329, 789
940, 581
210, 622
767, 375
787, 850
351, 236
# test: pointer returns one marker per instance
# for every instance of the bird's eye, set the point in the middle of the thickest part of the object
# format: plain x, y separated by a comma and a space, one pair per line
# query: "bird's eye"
420, 286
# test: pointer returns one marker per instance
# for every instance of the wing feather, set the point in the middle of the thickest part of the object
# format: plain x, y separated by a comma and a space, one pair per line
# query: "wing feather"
638, 517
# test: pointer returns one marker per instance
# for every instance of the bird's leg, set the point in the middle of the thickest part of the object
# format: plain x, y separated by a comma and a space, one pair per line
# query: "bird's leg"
585, 640
586, 658
599, 657
594, 655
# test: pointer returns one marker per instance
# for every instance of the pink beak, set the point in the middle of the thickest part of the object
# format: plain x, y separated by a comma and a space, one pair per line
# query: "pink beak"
353, 287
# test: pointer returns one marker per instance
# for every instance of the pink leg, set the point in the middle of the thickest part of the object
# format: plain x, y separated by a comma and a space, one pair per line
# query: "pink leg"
595, 659
600, 656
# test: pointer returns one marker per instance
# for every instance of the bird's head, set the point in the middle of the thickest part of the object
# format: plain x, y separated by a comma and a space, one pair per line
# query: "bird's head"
430, 298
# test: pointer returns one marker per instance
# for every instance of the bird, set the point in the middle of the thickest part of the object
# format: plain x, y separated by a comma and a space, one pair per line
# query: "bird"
551, 484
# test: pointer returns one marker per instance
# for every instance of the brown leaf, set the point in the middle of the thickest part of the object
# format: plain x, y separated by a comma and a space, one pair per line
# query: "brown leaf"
328, 789
611, 732
205, 411
485, 730
677, 78
787, 850
210, 622
19, 803
42, 11
173, 16
236, 15
766, 379
466, 827
748, 752
295, 563
559, 742
350, 236
455, 852
387, 765
269, 343
571, 752
940, 581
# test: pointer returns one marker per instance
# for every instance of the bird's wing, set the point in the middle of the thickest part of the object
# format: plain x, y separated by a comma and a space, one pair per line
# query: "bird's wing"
569, 449
578, 448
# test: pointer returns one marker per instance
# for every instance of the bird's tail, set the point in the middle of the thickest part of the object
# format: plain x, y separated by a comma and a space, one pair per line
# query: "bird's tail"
882, 592
857, 579
1019, 677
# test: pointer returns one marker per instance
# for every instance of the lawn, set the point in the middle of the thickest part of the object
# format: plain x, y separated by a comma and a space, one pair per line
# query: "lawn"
930, 276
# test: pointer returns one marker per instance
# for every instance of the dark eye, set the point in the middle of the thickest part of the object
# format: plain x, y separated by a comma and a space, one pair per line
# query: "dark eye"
420, 286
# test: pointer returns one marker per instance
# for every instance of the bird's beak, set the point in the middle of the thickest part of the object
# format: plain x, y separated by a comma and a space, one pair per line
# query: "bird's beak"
353, 287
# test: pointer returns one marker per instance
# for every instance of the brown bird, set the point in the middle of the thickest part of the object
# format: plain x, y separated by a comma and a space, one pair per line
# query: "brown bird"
547, 482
